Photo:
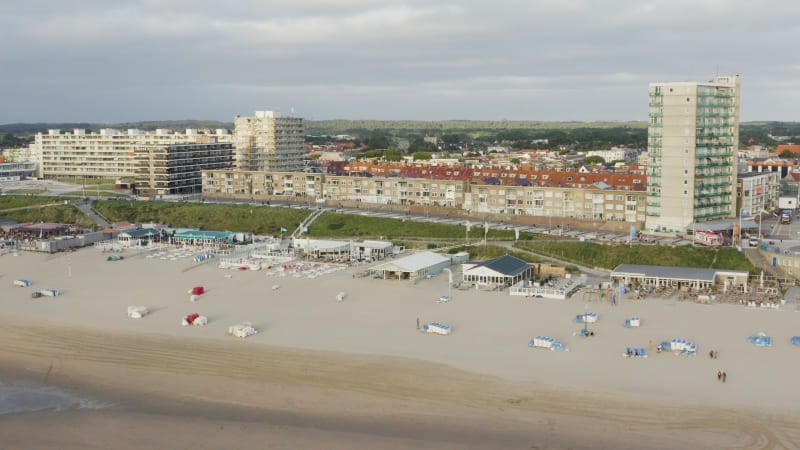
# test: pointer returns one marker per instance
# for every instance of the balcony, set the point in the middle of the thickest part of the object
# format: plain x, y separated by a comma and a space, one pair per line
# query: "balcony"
712, 194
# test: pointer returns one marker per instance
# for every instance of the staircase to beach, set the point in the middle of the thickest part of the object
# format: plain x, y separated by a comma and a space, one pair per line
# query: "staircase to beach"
298, 232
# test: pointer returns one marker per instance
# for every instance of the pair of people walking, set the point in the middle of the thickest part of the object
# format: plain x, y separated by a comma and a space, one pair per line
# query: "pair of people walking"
713, 354
722, 376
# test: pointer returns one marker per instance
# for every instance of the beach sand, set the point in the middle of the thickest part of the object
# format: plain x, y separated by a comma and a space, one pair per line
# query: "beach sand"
358, 374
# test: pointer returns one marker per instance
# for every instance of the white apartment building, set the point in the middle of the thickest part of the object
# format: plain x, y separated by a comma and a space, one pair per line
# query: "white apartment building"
108, 154
693, 138
268, 142
615, 154
758, 191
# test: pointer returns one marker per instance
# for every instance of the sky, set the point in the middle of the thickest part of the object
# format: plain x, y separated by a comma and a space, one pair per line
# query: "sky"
544, 60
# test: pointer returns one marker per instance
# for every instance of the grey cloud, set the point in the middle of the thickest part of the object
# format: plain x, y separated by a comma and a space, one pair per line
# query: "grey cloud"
542, 60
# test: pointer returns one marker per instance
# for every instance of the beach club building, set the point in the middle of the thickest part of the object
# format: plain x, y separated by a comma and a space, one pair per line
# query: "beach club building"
205, 239
679, 277
138, 237
413, 267
321, 248
501, 271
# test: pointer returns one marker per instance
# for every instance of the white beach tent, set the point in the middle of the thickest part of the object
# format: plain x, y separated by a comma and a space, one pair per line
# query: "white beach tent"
436, 328
137, 312
242, 330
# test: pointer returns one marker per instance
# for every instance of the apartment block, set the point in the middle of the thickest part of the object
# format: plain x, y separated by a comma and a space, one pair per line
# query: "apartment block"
590, 203
177, 168
396, 191
107, 154
693, 138
586, 203
263, 185
268, 142
758, 191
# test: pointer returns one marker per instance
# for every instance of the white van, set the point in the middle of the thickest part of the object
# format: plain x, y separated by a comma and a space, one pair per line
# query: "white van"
753, 242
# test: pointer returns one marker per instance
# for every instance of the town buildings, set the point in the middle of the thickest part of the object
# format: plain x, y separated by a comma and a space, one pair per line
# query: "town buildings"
585, 196
693, 138
269, 142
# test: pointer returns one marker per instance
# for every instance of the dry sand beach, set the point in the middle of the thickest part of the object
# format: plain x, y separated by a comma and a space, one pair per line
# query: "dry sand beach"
357, 373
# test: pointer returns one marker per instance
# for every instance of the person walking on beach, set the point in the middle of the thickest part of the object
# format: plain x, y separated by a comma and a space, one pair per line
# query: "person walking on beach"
418, 323
724, 376
711, 354
719, 375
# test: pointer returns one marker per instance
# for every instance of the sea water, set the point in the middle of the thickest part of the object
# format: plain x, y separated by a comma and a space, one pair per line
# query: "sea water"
19, 396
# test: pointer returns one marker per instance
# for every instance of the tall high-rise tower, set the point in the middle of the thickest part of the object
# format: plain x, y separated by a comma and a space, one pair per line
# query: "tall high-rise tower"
268, 142
693, 138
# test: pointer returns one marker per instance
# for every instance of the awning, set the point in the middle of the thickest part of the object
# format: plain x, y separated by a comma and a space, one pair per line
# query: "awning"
722, 225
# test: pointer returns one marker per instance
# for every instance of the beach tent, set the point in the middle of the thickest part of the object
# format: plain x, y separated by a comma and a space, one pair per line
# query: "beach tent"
194, 319
50, 292
632, 322
137, 312
197, 290
635, 352
795, 340
586, 318
760, 340
545, 342
340, 296
436, 328
22, 283
242, 330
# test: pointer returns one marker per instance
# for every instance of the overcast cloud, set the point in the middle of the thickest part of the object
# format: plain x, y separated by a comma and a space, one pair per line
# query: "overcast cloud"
125, 60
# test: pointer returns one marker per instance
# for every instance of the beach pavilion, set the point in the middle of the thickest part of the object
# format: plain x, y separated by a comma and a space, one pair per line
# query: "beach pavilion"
138, 237
501, 271
321, 248
413, 267
42, 229
205, 239
372, 250
679, 277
